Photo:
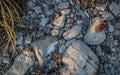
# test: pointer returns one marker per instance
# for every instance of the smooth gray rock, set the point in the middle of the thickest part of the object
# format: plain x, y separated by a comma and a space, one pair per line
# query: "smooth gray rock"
37, 9
80, 59
21, 64
93, 38
59, 21
72, 33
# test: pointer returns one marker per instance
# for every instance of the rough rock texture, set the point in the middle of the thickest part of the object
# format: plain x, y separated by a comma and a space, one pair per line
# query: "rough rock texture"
22, 63
59, 21
80, 59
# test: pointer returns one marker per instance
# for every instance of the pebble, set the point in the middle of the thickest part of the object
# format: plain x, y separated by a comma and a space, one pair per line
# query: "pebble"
62, 49
62, 41
63, 5
55, 32
69, 42
37, 9
72, 33
101, 7
60, 21
65, 11
43, 21
49, 12
28, 39
99, 51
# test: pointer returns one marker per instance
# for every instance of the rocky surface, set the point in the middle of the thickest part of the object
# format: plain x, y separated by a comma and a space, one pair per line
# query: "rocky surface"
67, 38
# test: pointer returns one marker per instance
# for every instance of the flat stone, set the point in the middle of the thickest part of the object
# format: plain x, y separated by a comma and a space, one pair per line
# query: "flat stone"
59, 21
37, 9
49, 12
69, 42
43, 21
62, 49
21, 64
92, 37
28, 39
82, 14
55, 32
80, 59
72, 33
45, 45
65, 11
101, 7
62, 41
115, 8
63, 5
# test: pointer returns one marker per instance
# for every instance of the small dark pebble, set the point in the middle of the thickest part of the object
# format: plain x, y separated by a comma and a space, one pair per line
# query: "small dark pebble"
106, 49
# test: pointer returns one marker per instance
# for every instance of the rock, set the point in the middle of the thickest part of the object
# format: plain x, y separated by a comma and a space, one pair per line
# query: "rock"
44, 46
80, 59
99, 51
62, 41
72, 33
21, 64
82, 14
65, 11
19, 39
49, 12
69, 42
95, 35
101, 7
28, 39
110, 27
43, 21
63, 5
37, 9
115, 8
55, 32
20, 47
62, 49
59, 21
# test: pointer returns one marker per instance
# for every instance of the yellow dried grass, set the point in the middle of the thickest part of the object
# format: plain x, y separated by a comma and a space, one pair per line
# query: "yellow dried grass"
10, 17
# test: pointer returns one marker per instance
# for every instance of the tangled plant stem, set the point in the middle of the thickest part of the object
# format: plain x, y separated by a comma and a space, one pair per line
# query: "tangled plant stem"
10, 17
